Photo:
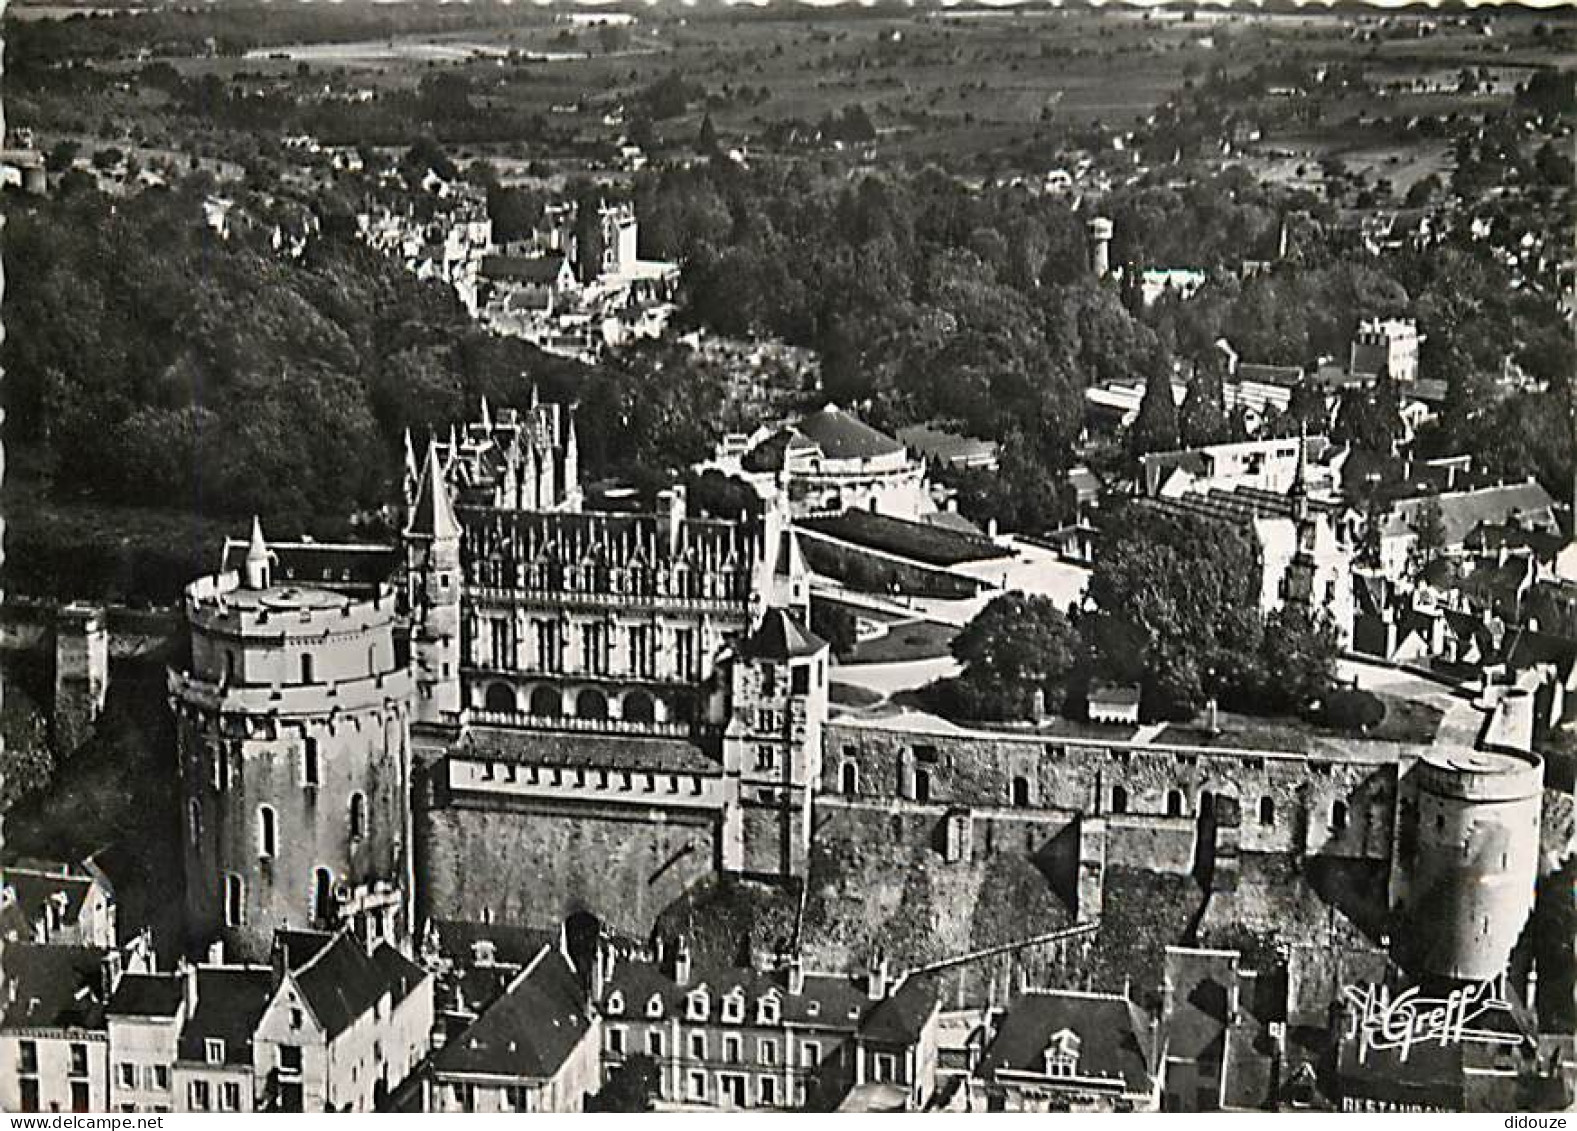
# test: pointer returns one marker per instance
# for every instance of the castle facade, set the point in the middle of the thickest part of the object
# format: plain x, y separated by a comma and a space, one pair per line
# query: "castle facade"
546, 709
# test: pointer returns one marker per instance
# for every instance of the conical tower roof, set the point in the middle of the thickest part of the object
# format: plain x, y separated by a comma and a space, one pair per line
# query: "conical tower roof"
433, 514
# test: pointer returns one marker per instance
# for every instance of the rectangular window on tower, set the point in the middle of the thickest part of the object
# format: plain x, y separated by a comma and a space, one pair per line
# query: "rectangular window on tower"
684, 652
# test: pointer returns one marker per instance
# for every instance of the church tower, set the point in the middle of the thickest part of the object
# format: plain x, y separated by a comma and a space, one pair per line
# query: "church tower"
433, 580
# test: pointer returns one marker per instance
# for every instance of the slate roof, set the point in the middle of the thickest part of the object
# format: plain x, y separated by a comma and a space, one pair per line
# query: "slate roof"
828, 1001
611, 751
511, 946
782, 637
433, 515
841, 435
947, 447
1112, 1036
147, 995
230, 1002
540, 269
1284, 375
900, 1017
34, 892
1462, 511
341, 981
1125, 695
47, 984
298, 947
609, 539
1529, 649
529, 1032
340, 566
1489, 536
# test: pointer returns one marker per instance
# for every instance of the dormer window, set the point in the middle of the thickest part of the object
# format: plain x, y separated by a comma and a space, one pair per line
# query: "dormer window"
1062, 1054
813, 1009
654, 1006
768, 1009
734, 1007
697, 1006
615, 1004
214, 1050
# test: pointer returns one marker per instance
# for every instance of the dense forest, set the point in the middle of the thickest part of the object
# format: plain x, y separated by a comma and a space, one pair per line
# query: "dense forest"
219, 377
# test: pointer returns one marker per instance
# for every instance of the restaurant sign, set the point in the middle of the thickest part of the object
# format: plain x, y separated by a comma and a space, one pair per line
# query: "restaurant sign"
1383, 1021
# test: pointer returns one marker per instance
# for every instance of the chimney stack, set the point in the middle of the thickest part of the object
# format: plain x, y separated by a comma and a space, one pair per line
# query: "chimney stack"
682, 961
876, 981
188, 975
796, 976
671, 516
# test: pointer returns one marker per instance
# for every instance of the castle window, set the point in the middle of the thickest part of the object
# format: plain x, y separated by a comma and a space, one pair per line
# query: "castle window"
322, 896
769, 681
1020, 792
639, 707
546, 702
1119, 799
267, 834
594, 648
1174, 803
922, 786
358, 816
1267, 811
766, 757
502, 638
695, 785
235, 900
640, 644
1339, 816
309, 762
306, 667
731, 1045
849, 779
232, 667
684, 651
550, 646
799, 678
500, 697
194, 820
591, 704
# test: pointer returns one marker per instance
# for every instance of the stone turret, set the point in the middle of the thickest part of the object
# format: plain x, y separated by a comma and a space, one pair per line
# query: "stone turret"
1466, 859
259, 563
433, 578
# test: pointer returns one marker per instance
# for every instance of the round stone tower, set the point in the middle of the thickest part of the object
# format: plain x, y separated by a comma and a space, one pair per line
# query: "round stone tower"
293, 724
1467, 850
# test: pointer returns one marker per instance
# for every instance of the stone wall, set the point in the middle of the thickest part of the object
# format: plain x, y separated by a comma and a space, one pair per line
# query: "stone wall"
483, 859
880, 876
1288, 802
